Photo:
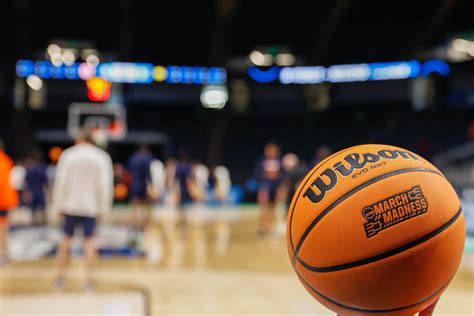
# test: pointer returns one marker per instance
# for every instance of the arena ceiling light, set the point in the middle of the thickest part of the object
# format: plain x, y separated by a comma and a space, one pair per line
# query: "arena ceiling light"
118, 72
92, 60
260, 59
396, 70
460, 50
285, 59
53, 49
463, 45
34, 82
214, 97
68, 56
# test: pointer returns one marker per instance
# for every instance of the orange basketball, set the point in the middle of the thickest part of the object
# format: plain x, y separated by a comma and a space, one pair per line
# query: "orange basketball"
375, 229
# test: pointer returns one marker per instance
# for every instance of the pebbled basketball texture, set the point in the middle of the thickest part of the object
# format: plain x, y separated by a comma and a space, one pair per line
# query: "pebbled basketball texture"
375, 230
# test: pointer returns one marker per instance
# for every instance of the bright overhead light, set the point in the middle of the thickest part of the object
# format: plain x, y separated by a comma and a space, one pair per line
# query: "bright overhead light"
470, 49
34, 82
260, 59
285, 59
214, 97
53, 49
461, 45
257, 58
456, 56
68, 57
92, 60
267, 60
56, 60
88, 51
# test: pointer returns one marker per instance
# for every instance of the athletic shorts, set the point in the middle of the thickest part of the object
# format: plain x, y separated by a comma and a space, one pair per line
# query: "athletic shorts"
272, 188
37, 203
138, 193
87, 224
3, 216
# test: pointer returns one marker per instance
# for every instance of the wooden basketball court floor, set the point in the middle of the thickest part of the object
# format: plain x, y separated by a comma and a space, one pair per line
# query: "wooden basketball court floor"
252, 277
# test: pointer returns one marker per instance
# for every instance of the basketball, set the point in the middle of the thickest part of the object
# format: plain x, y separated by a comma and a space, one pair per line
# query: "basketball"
375, 229
136, 165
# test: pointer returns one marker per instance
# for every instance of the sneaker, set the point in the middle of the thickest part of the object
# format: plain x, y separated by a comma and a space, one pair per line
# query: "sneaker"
59, 284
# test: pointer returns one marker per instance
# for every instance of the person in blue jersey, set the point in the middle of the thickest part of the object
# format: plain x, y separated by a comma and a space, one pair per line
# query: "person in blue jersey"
139, 168
183, 177
36, 180
269, 174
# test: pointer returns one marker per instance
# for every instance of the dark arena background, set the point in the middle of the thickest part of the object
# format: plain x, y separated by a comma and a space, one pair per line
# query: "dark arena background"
207, 92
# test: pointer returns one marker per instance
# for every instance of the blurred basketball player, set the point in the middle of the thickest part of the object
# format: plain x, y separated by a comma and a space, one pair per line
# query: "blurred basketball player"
178, 199
183, 177
156, 190
36, 183
157, 174
8, 200
198, 185
82, 193
139, 168
170, 194
268, 172
221, 186
294, 171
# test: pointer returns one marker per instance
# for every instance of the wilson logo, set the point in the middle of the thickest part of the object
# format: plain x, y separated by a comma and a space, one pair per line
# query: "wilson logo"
394, 210
352, 165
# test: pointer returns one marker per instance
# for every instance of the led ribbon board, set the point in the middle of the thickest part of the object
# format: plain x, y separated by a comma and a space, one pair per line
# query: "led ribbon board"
350, 73
141, 73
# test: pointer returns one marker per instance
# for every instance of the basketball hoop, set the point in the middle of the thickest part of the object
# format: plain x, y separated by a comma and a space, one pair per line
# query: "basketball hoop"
106, 121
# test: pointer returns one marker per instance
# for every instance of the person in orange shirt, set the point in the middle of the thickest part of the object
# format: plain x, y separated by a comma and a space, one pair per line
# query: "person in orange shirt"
8, 200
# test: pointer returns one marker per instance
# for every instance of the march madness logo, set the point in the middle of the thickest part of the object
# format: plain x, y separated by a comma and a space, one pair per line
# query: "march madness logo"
393, 210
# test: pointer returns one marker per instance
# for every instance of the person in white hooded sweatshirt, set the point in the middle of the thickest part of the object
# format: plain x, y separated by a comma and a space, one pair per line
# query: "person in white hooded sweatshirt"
82, 193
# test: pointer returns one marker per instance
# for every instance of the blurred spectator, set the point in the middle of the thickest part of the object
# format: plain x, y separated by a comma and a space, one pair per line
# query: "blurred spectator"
8, 200
322, 153
36, 184
82, 193
269, 174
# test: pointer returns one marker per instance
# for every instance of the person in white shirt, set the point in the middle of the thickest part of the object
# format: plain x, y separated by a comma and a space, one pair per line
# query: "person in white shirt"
222, 187
82, 193
157, 173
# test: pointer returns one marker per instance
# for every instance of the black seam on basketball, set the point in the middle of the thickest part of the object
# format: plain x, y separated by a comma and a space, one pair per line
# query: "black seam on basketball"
302, 186
347, 195
386, 254
375, 310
